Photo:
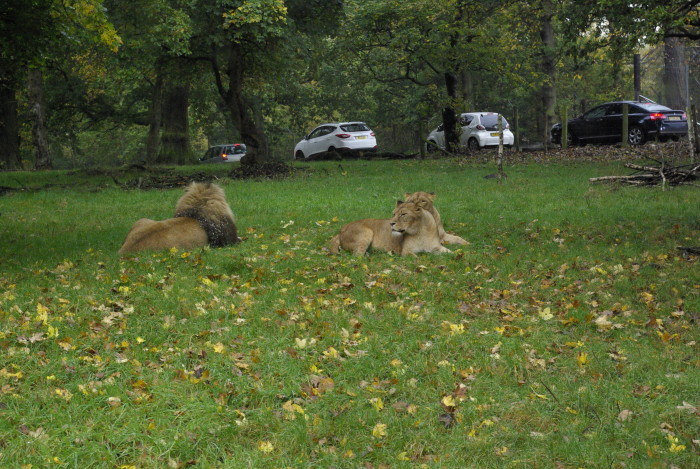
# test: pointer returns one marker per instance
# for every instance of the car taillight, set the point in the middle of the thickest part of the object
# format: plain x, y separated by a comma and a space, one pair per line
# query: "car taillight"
224, 156
372, 134
342, 135
685, 116
480, 127
655, 116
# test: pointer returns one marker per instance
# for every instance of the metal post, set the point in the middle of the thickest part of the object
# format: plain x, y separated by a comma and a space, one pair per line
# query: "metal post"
565, 130
625, 124
637, 76
500, 148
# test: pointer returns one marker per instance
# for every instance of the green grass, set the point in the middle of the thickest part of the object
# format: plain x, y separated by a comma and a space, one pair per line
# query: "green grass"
564, 335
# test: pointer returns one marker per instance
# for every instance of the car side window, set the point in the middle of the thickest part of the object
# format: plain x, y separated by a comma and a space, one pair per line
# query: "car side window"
613, 109
316, 133
465, 120
328, 129
595, 113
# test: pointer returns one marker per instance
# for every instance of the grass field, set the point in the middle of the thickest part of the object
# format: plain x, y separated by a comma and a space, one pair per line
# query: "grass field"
563, 336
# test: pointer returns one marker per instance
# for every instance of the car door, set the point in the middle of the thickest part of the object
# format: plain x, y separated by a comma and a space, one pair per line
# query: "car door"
590, 126
465, 121
315, 141
612, 122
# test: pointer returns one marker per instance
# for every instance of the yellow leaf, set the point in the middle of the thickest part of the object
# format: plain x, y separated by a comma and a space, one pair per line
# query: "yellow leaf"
379, 430
403, 456
266, 447
582, 358
546, 314
377, 403
219, 347
42, 313
449, 401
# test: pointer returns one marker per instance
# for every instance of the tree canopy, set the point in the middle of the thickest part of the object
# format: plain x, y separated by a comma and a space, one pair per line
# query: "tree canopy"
112, 82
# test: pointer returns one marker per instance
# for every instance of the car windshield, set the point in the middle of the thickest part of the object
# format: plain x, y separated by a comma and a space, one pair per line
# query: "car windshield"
355, 127
490, 121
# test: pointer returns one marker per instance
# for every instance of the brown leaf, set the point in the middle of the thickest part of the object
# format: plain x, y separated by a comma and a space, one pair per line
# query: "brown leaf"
448, 420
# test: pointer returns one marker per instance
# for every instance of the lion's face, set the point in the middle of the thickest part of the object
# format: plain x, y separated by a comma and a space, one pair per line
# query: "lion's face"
423, 200
406, 219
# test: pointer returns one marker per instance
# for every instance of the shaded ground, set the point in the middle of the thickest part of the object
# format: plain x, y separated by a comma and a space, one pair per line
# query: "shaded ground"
157, 177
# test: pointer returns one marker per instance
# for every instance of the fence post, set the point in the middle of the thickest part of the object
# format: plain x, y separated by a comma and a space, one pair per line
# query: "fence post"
517, 130
693, 132
625, 124
499, 160
565, 129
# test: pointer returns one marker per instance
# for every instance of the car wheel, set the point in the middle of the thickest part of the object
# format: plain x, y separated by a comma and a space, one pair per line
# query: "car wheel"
473, 144
299, 155
570, 139
636, 136
431, 147
331, 149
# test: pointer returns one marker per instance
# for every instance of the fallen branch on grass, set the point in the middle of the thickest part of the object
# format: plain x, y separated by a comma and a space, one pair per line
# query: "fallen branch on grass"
683, 175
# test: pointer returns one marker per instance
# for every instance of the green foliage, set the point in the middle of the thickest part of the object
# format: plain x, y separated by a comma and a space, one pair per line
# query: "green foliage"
564, 334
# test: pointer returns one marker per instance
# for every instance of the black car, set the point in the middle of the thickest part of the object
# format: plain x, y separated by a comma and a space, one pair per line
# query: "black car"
603, 124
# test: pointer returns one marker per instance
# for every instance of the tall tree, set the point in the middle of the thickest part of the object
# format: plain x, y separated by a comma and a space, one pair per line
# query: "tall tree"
37, 111
31, 31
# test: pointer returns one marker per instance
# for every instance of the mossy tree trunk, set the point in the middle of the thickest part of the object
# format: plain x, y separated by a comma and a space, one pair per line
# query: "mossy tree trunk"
175, 136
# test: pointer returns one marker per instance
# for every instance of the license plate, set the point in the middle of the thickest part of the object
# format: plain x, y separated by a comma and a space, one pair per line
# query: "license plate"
674, 118
361, 137
494, 134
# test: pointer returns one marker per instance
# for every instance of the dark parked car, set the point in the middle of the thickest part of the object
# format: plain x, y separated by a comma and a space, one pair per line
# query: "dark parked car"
224, 153
603, 124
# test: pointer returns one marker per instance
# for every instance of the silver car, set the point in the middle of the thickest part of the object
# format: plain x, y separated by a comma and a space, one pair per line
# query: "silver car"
479, 130
227, 153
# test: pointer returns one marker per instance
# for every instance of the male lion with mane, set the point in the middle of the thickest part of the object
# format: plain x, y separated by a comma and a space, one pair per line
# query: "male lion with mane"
411, 230
202, 217
425, 201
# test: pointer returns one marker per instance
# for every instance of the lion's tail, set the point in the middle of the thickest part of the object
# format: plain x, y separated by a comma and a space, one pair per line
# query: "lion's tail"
334, 245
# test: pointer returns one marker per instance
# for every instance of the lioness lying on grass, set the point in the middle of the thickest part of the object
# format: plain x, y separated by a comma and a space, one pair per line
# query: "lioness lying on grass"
411, 230
425, 201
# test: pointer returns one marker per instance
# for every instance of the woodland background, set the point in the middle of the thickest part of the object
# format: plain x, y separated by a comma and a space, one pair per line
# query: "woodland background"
110, 82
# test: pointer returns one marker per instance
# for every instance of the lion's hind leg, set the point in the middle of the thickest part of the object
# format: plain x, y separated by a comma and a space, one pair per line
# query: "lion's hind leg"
358, 240
452, 239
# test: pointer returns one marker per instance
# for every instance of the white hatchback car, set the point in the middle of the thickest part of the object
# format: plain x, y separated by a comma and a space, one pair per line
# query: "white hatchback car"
328, 137
479, 130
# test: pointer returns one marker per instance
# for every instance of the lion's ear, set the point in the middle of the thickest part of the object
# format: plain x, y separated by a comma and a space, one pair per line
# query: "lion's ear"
399, 202
432, 195
407, 194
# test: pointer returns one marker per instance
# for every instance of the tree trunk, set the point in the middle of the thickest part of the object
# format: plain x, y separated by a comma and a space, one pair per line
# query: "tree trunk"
674, 73
9, 126
549, 96
155, 117
175, 139
245, 116
35, 85
449, 116
467, 90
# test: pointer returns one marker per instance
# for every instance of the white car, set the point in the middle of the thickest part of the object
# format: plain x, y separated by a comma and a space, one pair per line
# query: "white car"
329, 137
479, 130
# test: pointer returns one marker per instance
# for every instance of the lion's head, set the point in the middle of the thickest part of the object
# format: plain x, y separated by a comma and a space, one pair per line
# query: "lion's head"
422, 199
407, 218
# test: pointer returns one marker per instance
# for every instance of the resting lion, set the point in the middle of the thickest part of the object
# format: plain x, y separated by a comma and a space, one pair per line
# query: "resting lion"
202, 217
425, 200
410, 231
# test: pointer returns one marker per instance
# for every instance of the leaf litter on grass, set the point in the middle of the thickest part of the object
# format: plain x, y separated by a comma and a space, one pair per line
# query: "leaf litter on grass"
279, 354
